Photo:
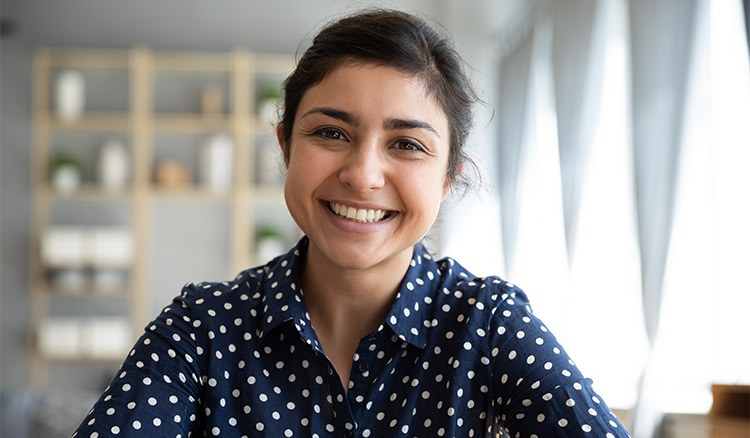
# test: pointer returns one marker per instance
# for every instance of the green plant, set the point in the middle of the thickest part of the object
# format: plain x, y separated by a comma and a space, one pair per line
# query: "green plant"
271, 92
268, 232
63, 159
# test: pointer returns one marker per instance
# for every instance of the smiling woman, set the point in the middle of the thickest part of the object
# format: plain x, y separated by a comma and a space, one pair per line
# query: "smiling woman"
358, 331
377, 147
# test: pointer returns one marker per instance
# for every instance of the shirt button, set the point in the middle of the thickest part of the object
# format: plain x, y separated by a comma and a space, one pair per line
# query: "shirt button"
363, 367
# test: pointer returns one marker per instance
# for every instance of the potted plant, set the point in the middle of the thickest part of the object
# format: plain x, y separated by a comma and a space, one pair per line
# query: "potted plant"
269, 242
268, 103
66, 173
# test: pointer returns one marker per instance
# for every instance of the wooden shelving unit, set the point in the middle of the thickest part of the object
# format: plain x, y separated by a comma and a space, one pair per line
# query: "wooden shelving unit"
140, 120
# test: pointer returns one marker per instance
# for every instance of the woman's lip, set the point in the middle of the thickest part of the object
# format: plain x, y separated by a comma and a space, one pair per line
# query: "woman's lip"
358, 205
356, 226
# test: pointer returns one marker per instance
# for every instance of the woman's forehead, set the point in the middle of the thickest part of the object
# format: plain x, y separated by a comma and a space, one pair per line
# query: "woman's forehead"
362, 87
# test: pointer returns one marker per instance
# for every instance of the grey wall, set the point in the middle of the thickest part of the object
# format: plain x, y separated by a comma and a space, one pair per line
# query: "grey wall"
15, 57
273, 27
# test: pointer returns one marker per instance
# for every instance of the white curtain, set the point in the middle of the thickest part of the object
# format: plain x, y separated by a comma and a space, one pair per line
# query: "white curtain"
607, 336
538, 239
624, 129
730, 146
567, 187
703, 323
661, 41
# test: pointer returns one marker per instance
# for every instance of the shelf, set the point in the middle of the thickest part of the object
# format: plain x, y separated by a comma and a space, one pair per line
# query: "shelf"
89, 59
273, 64
100, 266
159, 105
89, 293
269, 194
193, 62
93, 122
192, 194
89, 193
114, 360
191, 123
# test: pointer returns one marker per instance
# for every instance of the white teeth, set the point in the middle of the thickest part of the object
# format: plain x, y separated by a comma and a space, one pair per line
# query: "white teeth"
351, 213
355, 214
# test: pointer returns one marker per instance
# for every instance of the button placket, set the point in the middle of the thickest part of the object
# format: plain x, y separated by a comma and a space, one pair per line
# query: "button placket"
360, 378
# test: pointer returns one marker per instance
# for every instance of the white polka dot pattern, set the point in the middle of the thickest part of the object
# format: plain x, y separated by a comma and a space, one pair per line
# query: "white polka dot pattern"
456, 356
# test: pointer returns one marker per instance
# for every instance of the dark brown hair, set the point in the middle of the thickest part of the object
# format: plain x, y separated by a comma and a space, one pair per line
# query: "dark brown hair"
394, 39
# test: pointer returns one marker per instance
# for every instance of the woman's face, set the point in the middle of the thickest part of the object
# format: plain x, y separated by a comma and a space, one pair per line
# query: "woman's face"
366, 165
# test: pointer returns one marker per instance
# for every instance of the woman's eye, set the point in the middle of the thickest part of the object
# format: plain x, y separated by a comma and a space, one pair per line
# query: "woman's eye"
408, 145
331, 133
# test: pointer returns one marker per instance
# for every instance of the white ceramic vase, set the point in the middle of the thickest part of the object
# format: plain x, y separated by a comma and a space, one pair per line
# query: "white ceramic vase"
216, 163
113, 168
66, 179
70, 95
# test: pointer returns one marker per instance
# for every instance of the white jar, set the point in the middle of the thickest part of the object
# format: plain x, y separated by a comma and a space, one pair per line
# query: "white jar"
216, 163
70, 95
113, 168
66, 179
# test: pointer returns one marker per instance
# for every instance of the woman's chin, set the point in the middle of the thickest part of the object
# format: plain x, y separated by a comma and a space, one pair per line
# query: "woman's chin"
359, 257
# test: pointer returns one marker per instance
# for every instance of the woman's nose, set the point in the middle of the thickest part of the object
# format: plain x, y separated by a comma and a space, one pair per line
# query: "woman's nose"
364, 169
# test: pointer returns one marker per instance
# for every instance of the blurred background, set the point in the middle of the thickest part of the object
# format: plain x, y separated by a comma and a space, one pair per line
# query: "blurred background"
136, 155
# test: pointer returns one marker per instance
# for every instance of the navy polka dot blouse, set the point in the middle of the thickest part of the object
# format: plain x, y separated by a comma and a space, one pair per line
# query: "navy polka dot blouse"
457, 356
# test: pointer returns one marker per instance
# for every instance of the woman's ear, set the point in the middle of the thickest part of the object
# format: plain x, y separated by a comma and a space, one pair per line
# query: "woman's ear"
449, 181
282, 144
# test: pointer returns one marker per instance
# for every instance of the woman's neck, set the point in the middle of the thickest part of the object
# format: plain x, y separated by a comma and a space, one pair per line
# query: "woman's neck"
354, 301
345, 305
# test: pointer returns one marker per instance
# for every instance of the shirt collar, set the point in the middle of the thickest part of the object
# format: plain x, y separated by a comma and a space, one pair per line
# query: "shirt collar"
409, 318
411, 315
282, 296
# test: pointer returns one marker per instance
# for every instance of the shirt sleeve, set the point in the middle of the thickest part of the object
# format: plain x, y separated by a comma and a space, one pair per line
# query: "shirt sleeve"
537, 389
157, 390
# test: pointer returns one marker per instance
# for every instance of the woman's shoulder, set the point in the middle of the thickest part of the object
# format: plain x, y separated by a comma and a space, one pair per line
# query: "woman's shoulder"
244, 286
246, 289
254, 295
490, 292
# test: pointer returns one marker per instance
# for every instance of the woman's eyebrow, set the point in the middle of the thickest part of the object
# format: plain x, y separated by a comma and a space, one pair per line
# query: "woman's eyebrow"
344, 116
397, 124
393, 124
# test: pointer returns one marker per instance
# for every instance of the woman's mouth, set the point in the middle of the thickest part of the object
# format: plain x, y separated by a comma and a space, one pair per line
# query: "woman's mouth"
361, 215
